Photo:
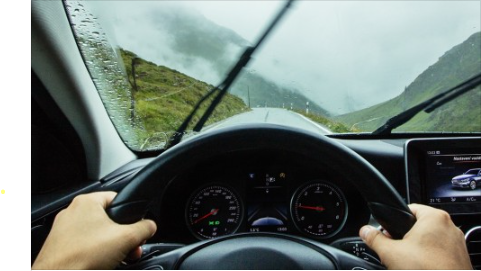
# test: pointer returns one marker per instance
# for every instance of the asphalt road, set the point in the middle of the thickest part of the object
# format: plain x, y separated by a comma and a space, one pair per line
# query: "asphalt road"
273, 116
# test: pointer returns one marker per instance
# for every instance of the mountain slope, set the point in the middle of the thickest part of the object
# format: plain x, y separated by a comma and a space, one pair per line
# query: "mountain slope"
463, 114
164, 97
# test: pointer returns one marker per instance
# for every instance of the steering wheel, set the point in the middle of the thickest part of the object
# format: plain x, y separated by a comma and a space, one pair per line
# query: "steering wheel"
261, 250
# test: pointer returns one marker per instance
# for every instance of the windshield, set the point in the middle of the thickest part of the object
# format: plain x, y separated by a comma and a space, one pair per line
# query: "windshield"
328, 67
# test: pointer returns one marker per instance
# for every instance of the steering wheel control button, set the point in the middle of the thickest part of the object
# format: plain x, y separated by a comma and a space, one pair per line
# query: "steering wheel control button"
356, 247
361, 250
150, 250
370, 258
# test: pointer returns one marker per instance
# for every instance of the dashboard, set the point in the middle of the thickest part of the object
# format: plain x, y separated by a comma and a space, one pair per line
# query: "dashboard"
272, 191
264, 191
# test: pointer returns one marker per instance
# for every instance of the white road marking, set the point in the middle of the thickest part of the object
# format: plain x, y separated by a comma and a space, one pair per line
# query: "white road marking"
315, 124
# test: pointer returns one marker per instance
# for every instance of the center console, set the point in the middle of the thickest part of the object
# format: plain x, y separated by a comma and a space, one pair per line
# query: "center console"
446, 174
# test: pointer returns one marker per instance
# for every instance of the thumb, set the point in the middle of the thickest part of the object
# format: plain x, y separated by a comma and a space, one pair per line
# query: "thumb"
140, 231
376, 240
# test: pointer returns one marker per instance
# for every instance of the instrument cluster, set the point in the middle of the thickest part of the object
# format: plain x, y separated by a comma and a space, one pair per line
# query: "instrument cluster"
297, 200
318, 209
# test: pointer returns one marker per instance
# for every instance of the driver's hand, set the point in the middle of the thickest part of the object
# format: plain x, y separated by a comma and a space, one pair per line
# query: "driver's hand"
84, 237
434, 242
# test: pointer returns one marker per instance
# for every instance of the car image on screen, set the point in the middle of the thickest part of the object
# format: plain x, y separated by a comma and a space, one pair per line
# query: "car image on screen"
470, 179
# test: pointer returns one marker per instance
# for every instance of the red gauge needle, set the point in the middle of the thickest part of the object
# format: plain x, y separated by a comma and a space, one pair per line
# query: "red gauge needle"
206, 216
312, 208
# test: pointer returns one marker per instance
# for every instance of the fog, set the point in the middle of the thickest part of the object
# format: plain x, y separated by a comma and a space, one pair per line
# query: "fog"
344, 55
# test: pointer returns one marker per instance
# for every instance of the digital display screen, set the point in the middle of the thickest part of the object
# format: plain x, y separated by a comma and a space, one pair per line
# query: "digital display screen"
267, 204
453, 177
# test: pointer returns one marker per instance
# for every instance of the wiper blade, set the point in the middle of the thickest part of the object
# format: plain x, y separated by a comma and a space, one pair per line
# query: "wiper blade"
223, 87
429, 105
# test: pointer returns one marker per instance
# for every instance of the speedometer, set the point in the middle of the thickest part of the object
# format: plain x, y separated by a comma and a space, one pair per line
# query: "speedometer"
319, 209
213, 211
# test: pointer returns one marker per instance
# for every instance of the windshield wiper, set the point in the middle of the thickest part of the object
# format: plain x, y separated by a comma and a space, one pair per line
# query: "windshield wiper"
223, 87
429, 105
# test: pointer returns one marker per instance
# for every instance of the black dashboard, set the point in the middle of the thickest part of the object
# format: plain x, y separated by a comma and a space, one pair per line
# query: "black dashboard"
271, 192
266, 191
274, 192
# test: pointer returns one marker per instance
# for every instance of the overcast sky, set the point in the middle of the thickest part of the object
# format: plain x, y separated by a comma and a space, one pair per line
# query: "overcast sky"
333, 51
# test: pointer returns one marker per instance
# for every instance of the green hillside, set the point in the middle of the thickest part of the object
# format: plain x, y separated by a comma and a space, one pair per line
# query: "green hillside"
164, 97
462, 115
161, 98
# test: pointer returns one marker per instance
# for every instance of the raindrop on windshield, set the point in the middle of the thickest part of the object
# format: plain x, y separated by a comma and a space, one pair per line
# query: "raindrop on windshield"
107, 71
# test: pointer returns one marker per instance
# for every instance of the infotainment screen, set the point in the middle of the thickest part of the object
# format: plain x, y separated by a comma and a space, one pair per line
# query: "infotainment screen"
445, 173
452, 176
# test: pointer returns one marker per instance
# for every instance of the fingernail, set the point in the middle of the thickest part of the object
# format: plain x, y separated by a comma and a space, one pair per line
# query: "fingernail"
365, 231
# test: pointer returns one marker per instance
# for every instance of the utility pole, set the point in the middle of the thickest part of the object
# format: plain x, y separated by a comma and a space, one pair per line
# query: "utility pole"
134, 63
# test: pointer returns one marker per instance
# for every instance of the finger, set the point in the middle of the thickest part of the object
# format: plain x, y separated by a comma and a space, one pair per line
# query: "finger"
415, 208
376, 240
419, 210
385, 232
140, 231
135, 254
102, 198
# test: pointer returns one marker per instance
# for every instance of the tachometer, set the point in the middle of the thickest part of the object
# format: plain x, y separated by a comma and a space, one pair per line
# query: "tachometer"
213, 211
319, 209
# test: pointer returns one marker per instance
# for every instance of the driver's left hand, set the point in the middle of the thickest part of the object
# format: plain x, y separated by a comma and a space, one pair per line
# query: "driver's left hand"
84, 237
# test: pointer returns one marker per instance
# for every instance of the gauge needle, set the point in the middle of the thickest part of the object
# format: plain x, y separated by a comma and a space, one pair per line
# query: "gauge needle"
206, 216
312, 208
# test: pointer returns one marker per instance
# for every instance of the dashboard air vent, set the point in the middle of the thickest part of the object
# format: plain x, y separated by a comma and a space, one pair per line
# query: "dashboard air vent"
473, 242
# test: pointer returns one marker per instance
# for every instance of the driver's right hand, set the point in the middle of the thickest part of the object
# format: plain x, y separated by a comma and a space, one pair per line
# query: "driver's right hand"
434, 242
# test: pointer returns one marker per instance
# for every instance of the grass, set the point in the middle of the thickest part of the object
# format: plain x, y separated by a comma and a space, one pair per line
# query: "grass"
334, 126
164, 97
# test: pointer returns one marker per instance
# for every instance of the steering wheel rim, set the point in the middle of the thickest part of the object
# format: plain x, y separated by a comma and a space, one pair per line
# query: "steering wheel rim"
386, 206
